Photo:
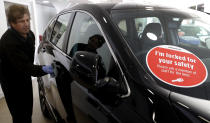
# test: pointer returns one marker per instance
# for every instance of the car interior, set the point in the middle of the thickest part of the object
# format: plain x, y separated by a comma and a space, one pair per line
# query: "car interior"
151, 36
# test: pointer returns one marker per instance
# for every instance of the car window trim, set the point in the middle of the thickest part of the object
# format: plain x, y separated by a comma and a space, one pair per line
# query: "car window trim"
50, 22
67, 31
58, 49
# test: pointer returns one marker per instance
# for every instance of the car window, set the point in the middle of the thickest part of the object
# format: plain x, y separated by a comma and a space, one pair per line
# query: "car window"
84, 27
110, 66
195, 33
140, 23
140, 32
60, 29
48, 31
123, 27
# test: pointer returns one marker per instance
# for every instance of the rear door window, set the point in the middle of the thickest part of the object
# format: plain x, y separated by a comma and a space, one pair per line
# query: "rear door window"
48, 31
59, 30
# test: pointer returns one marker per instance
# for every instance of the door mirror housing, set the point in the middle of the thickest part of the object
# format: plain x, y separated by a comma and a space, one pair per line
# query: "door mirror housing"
87, 70
109, 90
110, 86
84, 67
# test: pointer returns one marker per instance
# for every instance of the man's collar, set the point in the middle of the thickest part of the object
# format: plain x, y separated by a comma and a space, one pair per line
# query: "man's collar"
20, 36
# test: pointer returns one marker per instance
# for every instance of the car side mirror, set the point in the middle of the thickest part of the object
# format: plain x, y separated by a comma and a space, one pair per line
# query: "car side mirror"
110, 86
109, 90
84, 67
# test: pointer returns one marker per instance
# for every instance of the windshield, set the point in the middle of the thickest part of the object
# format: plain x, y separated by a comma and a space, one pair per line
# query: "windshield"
194, 32
172, 47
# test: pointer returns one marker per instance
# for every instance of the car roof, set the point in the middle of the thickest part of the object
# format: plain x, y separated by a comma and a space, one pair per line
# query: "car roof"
118, 6
108, 7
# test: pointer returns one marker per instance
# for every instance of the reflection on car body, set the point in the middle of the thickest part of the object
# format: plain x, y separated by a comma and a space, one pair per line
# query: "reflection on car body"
144, 71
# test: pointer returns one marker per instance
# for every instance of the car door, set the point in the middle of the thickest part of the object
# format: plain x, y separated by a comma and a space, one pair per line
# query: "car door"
102, 106
52, 51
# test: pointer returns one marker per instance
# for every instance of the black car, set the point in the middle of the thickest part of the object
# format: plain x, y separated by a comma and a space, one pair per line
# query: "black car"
124, 63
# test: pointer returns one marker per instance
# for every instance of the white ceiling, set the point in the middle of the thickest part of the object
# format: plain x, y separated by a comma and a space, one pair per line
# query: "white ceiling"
60, 4
45, 4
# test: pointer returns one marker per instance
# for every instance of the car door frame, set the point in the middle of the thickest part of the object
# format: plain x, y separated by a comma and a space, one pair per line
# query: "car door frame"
62, 51
104, 109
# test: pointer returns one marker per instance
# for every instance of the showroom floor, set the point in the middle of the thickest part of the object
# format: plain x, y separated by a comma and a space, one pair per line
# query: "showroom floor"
37, 117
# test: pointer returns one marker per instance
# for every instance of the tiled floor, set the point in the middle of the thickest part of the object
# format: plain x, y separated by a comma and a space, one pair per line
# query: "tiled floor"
37, 117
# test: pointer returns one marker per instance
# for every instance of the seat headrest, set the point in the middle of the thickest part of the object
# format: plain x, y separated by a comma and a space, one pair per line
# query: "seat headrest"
154, 28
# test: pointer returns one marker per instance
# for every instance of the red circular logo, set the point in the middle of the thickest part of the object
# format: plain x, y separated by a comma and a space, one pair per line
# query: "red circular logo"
176, 66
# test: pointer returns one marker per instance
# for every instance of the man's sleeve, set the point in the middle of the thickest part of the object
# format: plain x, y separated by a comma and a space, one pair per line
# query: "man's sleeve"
21, 62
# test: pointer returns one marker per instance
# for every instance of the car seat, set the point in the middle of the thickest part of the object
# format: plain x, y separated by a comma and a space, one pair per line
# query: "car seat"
151, 35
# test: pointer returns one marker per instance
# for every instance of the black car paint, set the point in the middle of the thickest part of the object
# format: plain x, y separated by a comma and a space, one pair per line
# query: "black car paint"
146, 97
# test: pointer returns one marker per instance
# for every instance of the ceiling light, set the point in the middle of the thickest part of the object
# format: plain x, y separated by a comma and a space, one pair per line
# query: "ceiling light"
45, 1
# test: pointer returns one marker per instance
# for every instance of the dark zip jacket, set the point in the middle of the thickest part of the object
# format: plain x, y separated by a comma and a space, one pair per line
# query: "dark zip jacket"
17, 57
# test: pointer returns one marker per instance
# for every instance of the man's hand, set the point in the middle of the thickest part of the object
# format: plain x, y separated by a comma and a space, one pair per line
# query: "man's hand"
48, 69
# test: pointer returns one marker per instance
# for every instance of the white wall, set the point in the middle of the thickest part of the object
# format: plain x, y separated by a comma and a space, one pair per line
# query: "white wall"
1, 93
206, 6
3, 27
44, 14
3, 22
61, 4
